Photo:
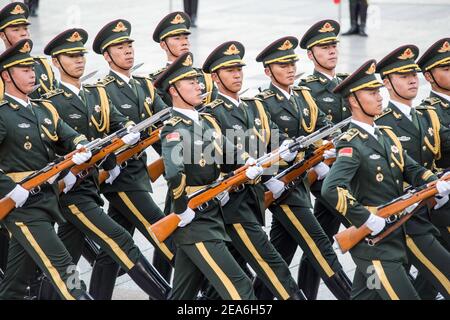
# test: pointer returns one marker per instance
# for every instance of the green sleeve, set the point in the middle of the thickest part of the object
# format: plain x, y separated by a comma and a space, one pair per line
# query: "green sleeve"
6, 183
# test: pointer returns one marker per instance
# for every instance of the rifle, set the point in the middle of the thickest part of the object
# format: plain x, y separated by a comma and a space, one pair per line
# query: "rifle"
167, 225
123, 156
397, 209
33, 182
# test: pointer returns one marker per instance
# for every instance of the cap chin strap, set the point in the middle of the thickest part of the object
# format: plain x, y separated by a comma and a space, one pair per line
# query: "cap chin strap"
15, 84
437, 83
273, 75
223, 83
64, 69
317, 61
361, 106
168, 48
181, 96
395, 90
7, 39
112, 59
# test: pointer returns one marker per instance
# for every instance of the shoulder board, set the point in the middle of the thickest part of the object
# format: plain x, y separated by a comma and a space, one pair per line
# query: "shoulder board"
214, 104
311, 78
52, 93
40, 58
385, 112
350, 134
431, 101
173, 121
157, 72
266, 94
300, 88
107, 80
93, 85
3, 103
385, 127
342, 75
425, 107
250, 98
141, 77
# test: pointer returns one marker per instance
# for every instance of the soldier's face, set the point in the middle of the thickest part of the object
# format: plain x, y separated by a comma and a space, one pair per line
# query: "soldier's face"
406, 85
176, 46
371, 101
190, 90
283, 73
12, 35
122, 55
229, 79
24, 78
441, 76
326, 56
72, 64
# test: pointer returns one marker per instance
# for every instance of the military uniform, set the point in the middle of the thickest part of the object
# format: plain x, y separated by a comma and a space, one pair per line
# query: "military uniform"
92, 113
29, 137
425, 140
130, 203
15, 14
244, 214
201, 245
174, 24
333, 105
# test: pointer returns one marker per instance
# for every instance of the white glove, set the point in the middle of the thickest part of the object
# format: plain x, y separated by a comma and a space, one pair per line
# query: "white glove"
253, 171
113, 174
440, 201
186, 217
53, 179
19, 195
322, 170
275, 186
328, 154
375, 223
81, 157
443, 188
131, 138
69, 181
287, 155
223, 197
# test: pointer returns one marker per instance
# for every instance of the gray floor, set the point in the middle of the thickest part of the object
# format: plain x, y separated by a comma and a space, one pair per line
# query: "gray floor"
255, 23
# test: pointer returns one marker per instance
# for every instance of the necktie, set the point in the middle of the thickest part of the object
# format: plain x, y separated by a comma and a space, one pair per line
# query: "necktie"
294, 103
414, 118
379, 136
132, 84
30, 107
82, 96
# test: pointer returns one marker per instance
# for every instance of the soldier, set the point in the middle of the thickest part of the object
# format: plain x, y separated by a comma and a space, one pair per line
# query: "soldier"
358, 17
130, 203
296, 114
30, 131
201, 238
425, 141
321, 42
369, 171
14, 27
244, 214
87, 109
172, 34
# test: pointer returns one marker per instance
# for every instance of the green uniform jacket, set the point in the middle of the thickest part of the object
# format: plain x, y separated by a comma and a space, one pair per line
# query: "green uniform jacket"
332, 104
252, 126
205, 82
28, 142
300, 120
136, 108
85, 119
366, 174
184, 143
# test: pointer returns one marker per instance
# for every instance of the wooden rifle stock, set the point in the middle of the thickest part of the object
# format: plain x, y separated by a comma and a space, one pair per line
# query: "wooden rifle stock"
155, 169
350, 237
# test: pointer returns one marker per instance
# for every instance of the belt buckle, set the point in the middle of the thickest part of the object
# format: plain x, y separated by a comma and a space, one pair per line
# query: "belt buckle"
239, 188
203, 206
35, 190
138, 155
83, 174
123, 165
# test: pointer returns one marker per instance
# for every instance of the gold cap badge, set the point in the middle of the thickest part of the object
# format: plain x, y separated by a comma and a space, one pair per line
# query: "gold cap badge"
327, 27
445, 47
120, 27
18, 10
188, 61
26, 48
286, 45
75, 37
371, 69
407, 54
178, 19
232, 49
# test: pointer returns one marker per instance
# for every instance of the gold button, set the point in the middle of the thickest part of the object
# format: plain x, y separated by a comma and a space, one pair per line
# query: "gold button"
252, 137
424, 148
425, 164
239, 139
90, 124
76, 128
397, 181
392, 164
92, 139
344, 109
42, 135
379, 168
286, 129
27, 137
143, 115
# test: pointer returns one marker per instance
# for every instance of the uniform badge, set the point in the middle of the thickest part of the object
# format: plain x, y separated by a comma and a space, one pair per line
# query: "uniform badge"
239, 146
430, 131
148, 100
394, 149
173, 136
97, 108
44, 77
75, 116
237, 127
379, 177
346, 152
306, 112
24, 125
404, 138
328, 99
329, 117
27, 145
285, 118
202, 162
374, 156
257, 121
47, 121
126, 106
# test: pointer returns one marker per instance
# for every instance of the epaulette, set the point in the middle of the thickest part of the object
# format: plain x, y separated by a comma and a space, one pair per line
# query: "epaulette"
94, 85
173, 121
431, 101
350, 134
214, 104
107, 80
157, 72
311, 78
385, 127
141, 76
265, 94
250, 98
385, 112
300, 88
342, 75
52, 93
425, 107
